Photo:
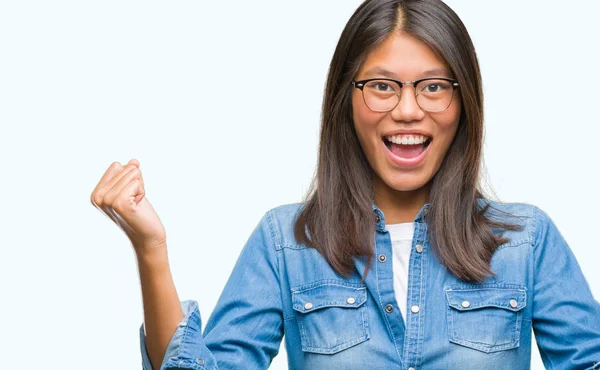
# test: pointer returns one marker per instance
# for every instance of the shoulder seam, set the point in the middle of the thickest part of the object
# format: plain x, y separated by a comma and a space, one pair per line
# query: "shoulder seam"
273, 230
535, 230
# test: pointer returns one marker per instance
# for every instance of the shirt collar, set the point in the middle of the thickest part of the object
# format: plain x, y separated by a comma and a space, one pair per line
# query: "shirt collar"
380, 218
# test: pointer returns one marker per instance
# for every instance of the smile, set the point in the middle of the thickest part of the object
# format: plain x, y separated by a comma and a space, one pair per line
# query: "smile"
407, 150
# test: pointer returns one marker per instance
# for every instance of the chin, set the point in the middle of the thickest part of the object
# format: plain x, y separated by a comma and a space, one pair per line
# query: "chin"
405, 183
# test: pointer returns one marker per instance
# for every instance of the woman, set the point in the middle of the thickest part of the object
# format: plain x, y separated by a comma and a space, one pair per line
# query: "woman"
395, 260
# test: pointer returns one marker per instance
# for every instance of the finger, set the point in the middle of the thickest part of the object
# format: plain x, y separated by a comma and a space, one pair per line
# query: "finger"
111, 196
127, 199
134, 162
101, 192
112, 170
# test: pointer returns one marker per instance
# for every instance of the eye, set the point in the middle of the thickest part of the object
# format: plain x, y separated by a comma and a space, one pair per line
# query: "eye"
432, 87
380, 86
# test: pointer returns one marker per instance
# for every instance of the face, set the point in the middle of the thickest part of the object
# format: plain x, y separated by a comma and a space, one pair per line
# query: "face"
404, 167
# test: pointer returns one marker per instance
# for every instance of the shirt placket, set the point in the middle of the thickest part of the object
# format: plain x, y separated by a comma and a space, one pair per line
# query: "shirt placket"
384, 276
416, 294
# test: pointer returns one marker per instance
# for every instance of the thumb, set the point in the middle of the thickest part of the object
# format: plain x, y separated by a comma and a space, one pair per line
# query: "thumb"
134, 162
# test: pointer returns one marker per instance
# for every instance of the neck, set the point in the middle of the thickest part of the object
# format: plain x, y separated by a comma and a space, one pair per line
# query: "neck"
399, 206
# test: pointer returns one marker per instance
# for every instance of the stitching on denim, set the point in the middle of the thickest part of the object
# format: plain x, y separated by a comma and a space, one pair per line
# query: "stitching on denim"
307, 345
512, 343
508, 343
292, 246
409, 301
325, 304
452, 313
450, 318
186, 330
518, 325
361, 298
422, 294
328, 282
379, 299
484, 348
297, 290
514, 244
534, 224
303, 336
481, 345
336, 348
521, 295
486, 305
488, 286
273, 230
365, 321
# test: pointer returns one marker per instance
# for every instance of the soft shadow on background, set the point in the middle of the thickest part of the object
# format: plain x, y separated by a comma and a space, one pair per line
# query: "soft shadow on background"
219, 101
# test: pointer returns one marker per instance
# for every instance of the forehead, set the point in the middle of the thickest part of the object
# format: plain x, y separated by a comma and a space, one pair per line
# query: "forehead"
403, 57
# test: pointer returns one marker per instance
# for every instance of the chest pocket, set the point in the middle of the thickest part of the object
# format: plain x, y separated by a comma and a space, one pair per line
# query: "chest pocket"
331, 316
486, 319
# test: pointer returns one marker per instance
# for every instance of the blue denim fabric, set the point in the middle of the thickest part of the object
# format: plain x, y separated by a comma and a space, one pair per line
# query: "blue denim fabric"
279, 287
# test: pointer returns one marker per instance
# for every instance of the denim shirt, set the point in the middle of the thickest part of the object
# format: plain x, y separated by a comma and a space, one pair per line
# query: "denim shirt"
281, 287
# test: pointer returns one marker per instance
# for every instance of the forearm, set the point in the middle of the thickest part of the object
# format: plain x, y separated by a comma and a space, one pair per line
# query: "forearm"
162, 310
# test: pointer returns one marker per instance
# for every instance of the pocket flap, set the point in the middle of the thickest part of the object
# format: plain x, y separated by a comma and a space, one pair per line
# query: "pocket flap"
512, 299
311, 298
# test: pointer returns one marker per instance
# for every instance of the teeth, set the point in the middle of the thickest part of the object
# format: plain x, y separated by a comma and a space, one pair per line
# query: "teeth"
407, 139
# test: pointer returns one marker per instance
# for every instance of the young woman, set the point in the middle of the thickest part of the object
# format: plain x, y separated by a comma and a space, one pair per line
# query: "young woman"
395, 260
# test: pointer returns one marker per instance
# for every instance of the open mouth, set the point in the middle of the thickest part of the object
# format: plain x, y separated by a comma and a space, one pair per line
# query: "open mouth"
409, 147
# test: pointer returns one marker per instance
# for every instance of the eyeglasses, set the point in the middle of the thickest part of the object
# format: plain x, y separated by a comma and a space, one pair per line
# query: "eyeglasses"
383, 94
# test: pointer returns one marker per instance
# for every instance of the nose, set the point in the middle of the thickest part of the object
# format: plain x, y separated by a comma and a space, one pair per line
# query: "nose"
407, 109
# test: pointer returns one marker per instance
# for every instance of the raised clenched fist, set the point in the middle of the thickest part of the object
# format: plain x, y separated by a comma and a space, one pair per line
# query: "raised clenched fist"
120, 195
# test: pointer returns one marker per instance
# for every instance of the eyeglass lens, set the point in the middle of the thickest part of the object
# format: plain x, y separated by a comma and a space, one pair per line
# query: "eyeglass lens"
431, 95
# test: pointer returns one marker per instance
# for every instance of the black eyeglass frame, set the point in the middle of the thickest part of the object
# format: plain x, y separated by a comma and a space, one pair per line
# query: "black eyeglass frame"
360, 84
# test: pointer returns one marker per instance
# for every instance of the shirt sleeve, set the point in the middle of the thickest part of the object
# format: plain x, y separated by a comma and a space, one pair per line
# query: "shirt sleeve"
566, 317
246, 326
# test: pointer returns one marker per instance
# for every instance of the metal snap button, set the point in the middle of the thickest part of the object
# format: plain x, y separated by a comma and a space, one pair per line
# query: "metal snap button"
513, 303
377, 218
414, 309
389, 308
200, 361
350, 300
465, 304
308, 306
382, 258
419, 248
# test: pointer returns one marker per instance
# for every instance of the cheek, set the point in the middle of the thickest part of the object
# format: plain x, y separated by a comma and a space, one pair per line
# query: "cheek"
448, 123
357, 110
454, 112
365, 120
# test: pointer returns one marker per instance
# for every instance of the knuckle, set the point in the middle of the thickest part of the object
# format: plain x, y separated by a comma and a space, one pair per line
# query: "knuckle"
97, 199
119, 205
108, 199
116, 165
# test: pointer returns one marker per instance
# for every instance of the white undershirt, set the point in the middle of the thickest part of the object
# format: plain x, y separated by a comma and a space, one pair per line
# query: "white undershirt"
401, 235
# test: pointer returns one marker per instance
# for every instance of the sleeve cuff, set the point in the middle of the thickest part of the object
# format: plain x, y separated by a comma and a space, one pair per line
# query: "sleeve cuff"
186, 350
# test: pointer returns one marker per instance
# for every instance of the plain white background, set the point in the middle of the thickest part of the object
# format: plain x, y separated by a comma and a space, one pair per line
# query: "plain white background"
220, 101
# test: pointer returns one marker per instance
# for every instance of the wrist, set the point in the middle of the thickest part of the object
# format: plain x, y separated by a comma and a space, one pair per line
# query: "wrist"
155, 256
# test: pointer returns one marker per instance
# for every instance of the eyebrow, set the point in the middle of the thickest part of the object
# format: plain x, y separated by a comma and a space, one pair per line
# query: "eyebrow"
436, 72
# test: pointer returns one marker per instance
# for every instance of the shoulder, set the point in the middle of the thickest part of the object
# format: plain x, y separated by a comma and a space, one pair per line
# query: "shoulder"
530, 217
280, 222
